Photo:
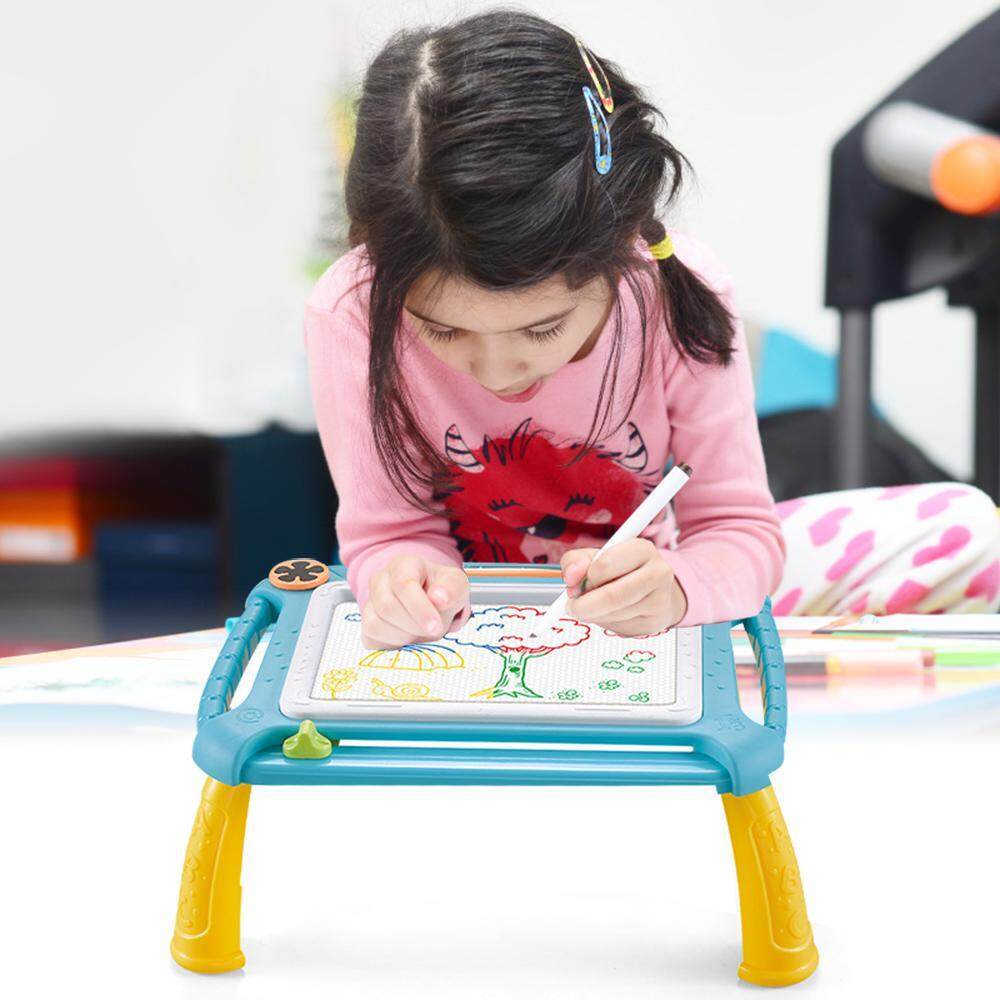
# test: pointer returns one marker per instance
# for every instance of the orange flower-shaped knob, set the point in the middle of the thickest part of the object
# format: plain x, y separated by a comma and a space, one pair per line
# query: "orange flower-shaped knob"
299, 574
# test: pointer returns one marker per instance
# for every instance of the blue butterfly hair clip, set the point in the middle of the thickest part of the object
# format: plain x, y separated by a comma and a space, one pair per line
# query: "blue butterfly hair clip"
602, 131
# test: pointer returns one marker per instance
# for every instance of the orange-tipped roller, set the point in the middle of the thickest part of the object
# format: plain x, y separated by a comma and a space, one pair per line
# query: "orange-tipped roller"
965, 177
937, 156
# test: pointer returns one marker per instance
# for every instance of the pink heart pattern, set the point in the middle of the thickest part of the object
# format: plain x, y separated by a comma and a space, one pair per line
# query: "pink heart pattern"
786, 508
786, 604
891, 492
937, 503
826, 528
985, 584
860, 605
856, 549
906, 596
954, 539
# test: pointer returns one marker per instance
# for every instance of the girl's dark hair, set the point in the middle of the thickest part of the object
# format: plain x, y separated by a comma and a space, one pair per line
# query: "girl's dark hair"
474, 156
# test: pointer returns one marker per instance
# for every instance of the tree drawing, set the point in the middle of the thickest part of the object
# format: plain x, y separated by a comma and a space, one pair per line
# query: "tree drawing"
506, 631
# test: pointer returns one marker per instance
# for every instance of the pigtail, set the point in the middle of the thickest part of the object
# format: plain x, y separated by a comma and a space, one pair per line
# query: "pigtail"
700, 324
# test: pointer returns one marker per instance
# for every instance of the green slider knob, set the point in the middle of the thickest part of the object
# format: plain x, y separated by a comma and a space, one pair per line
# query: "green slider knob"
307, 744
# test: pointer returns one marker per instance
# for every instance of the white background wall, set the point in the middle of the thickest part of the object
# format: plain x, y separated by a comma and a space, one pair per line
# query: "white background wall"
162, 173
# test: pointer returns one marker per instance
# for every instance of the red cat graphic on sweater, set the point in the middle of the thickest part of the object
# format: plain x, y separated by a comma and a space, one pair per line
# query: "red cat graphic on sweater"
524, 498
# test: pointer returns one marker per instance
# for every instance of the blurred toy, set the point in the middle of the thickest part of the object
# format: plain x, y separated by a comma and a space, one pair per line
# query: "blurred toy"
915, 204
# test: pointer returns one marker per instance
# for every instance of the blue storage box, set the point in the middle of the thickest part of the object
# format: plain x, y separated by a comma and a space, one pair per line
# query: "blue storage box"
158, 576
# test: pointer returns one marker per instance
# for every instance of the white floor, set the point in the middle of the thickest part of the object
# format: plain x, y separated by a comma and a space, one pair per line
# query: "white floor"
490, 893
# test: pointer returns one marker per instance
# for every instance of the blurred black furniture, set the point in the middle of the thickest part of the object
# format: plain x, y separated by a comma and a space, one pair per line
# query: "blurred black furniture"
885, 242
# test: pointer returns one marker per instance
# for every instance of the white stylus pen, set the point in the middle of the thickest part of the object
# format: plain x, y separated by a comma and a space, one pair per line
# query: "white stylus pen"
632, 527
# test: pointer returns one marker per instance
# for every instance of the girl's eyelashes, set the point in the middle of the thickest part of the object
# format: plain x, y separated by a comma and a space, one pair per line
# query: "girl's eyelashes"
549, 334
440, 335
445, 334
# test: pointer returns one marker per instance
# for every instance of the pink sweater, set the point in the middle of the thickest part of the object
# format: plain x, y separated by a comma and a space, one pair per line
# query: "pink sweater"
516, 499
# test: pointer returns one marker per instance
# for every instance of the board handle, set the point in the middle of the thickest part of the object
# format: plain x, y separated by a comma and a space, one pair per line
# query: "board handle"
235, 654
524, 570
766, 644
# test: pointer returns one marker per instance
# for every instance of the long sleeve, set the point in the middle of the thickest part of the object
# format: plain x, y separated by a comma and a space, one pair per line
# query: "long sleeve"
374, 523
731, 550
517, 497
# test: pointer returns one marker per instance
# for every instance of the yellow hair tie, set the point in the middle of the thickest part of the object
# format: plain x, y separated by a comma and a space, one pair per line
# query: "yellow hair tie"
663, 249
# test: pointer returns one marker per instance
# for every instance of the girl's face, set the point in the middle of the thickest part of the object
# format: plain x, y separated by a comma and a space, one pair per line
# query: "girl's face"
509, 341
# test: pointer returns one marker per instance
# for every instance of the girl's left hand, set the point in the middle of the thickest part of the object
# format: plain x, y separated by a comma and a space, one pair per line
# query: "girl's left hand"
631, 590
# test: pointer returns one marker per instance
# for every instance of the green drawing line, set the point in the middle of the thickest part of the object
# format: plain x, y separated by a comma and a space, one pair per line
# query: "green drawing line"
511, 681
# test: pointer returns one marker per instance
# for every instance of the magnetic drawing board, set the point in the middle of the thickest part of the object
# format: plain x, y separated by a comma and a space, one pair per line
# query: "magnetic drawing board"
493, 666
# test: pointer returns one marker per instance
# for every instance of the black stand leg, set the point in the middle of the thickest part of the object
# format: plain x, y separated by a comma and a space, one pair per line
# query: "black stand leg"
987, 431
852, 434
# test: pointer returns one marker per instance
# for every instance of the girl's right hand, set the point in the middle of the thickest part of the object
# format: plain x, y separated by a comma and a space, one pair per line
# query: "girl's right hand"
413, 600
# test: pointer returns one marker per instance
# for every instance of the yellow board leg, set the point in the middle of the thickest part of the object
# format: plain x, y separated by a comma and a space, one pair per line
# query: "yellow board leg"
778, 947
207, 931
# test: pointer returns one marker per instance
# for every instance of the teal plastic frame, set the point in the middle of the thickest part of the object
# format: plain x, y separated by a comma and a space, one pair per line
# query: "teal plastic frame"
244, 744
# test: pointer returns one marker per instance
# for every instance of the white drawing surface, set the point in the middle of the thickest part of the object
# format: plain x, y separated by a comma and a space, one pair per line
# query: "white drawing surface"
496, 656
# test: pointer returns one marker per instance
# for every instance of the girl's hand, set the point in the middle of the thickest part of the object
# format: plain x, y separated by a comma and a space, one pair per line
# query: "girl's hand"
630, 590
413, 600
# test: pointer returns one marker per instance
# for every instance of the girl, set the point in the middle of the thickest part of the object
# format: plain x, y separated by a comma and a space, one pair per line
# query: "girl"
516, 348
